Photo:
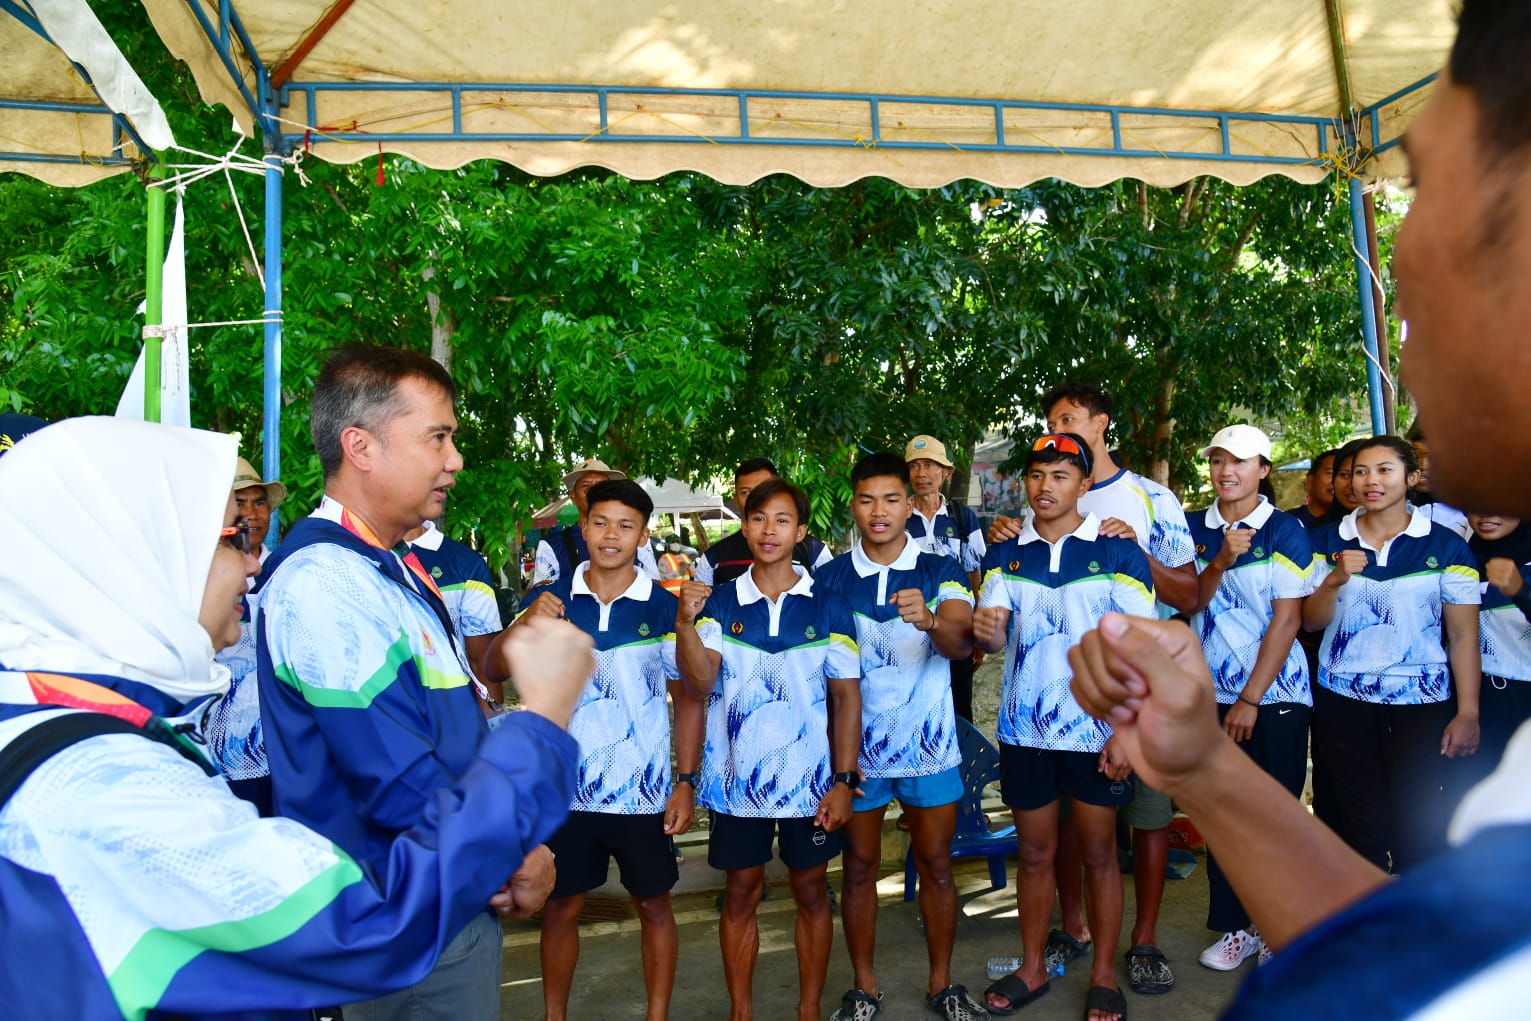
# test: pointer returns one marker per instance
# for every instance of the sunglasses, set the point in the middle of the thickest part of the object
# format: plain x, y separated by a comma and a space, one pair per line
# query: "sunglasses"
238, 535
1063, 444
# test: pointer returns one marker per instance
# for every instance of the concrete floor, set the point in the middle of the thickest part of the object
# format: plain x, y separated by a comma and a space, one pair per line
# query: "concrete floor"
609, 980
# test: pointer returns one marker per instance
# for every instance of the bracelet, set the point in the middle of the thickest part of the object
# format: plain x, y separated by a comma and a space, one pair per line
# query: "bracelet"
1246, 701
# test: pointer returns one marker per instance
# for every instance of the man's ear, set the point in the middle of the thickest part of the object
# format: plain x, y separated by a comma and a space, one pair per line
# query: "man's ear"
1085, 488
802, 533
357, 446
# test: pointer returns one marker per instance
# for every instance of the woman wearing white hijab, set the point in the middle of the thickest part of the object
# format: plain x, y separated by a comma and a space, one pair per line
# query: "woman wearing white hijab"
131, 880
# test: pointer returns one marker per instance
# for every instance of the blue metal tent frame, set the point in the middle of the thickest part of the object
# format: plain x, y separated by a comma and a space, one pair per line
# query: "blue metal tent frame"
1342, 144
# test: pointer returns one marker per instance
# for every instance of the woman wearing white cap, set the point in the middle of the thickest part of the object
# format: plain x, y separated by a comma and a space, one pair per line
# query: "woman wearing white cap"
1254, 564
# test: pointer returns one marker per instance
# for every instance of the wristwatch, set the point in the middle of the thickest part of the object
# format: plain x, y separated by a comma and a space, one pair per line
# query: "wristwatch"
689, 778
851, 779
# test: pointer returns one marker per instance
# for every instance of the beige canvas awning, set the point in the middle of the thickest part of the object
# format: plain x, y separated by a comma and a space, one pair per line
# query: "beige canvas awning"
831, 90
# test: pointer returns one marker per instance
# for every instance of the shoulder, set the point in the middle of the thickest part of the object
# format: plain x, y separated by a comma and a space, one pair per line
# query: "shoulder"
939, 567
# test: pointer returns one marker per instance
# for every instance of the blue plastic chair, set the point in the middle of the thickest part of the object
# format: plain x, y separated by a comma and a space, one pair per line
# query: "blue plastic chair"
974, 839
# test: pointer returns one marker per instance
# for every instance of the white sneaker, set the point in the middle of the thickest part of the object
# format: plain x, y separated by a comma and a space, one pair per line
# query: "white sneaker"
1230, 951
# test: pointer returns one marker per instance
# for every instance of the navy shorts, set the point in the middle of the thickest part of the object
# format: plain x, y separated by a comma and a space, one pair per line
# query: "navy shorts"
584, 846
1032, 778
739, 842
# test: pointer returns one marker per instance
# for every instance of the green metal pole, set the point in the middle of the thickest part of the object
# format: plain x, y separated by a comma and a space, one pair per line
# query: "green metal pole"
154, 289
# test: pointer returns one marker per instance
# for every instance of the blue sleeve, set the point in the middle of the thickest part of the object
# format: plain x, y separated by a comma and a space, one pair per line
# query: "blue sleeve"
844, 659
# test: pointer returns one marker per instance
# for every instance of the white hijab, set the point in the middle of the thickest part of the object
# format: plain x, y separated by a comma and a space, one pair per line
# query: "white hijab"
108, 529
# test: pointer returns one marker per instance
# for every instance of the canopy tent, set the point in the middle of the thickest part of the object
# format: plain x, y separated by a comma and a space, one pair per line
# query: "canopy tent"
924, 94
672, 496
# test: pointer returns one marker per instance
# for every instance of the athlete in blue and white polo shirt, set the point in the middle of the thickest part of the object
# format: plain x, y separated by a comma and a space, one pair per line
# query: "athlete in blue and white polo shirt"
1042, 590
1255, 565
624, 806
769, 650
1383, 714
913, 610
466, 587
1502, 547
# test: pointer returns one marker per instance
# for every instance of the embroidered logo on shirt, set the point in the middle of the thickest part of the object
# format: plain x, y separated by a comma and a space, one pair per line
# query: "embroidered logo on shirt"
1431, 562
436, 572
1257, 552
1094, 567
643, 629
1201, 547
1015, 565
809, 633
430, 646
950, 532
736, 627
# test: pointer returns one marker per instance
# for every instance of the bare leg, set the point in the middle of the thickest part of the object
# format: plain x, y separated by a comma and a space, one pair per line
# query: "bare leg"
560, 953
1096, 829
1037, 832
1069, 872
1150, 857
814, 933
740, 938
930, 835
858, 893
661, 945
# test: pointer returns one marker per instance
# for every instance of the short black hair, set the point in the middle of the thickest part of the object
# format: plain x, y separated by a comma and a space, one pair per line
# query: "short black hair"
1088, 396
1052, 455
1490, 58
623, 491
755, 464
775, 487
1397, 444
874, 466
1318, 459
1347, 453
359, 387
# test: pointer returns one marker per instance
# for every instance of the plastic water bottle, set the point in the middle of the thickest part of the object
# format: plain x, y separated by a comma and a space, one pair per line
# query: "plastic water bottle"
999, 967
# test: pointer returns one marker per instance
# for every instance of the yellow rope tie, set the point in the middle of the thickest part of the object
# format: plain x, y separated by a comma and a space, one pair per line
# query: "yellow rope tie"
612, 124
517, 108
1047, 142
927, 136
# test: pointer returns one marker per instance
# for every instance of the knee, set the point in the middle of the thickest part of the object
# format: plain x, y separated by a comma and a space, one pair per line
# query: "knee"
654, 910
741, 898
860, 867
561, 911
811, 893
1035, 855
1097, 855
935, 869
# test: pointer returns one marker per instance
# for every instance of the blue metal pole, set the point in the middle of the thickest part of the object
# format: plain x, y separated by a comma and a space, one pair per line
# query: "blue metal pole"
272, 419
1368, 310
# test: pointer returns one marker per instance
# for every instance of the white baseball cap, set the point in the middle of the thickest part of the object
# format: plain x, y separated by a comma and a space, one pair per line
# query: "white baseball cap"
1242, 441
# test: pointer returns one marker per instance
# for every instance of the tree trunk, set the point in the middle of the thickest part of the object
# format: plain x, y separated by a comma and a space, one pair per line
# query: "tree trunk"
443, 322
1159, 468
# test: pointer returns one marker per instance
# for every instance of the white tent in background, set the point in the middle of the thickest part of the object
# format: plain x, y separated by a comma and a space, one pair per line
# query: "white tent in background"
672, 496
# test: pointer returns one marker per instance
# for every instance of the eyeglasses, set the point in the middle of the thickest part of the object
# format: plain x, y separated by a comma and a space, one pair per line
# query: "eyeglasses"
1063, 444
238, 535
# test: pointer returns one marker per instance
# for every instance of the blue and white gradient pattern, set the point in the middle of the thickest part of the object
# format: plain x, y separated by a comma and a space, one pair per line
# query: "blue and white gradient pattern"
1384, 644
954, 533
1055, 593
767, 752
908, 727
1156, 517
464, 580
622, 721
234, 740
1278, 565
1504, 633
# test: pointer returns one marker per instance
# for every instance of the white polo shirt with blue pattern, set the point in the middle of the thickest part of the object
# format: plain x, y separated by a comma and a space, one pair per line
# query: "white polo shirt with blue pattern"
464, 580
1277, 565
954, 534
1156, 517
1055, 592
1384, 643
908, 726
767, 753
1504, 632
622, 721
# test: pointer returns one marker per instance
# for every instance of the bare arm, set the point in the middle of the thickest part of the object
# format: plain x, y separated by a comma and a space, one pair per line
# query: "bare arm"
690, 719
1461, 737
697, 664
1149, 680
1175, 586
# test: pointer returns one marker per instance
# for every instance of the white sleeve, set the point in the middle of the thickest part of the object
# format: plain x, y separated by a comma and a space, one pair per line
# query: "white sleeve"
646, 562
547, 564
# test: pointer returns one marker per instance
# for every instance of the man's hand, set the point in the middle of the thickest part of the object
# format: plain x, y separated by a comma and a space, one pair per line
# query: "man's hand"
546, 605
1002, 529
1240, 721
835, 810
528, 889
550, 661
1461, 737
1148, 679
1504, 574
1349, 562
680, 810
913, 610
1113, 761
989, 627
1116, 528
1236, 542
693, 596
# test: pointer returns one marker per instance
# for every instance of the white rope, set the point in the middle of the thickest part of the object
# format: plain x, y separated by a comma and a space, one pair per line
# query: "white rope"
260, 271
1376, 283
165, 329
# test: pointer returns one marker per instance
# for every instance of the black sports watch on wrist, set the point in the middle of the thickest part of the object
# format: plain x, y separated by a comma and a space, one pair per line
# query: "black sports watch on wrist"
851, 778
689, 778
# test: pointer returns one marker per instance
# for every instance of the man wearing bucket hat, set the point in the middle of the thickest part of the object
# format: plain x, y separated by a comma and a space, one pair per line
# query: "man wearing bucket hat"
254, 500
563, 548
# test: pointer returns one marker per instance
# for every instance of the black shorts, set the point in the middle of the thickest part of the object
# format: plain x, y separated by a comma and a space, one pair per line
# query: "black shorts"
1032, 778
738, 842
584, 846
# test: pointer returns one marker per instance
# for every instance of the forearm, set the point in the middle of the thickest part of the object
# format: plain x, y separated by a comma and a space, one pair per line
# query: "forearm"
1175, 586
1466, 670
845, 749
1268, 845
952, 633
1318, 608
697, 665
690, 723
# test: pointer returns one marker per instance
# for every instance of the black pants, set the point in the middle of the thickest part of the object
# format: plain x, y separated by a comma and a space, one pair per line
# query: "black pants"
1278, 745
1503, 705
962, 687
1383, 769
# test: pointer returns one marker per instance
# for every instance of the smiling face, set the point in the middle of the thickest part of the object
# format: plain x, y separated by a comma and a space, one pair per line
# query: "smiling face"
1380, 479
1235, 478
255, 510
772, 529
881, 508
613, 532
1462, 260
1053, 490
1493, 526
221, 599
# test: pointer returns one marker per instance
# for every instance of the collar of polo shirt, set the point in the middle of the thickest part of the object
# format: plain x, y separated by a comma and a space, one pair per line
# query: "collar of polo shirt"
1254, 519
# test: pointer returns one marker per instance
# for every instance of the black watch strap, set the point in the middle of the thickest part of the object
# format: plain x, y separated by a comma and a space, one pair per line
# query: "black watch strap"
689, 778
850, 778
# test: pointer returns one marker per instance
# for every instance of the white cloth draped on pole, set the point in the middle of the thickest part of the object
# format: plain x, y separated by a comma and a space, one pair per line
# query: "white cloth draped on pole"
175, 378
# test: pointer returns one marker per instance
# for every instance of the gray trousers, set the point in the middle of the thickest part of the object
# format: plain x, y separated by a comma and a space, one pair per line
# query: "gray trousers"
464, 985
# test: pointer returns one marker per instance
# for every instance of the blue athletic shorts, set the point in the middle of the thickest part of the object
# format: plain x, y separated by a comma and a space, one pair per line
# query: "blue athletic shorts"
914, 791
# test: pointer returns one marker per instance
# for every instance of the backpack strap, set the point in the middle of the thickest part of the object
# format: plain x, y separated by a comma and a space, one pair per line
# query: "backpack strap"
35, 746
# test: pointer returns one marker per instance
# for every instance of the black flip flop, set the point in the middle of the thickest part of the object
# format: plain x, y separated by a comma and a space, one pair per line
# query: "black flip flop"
1107, 1001
1014, 989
